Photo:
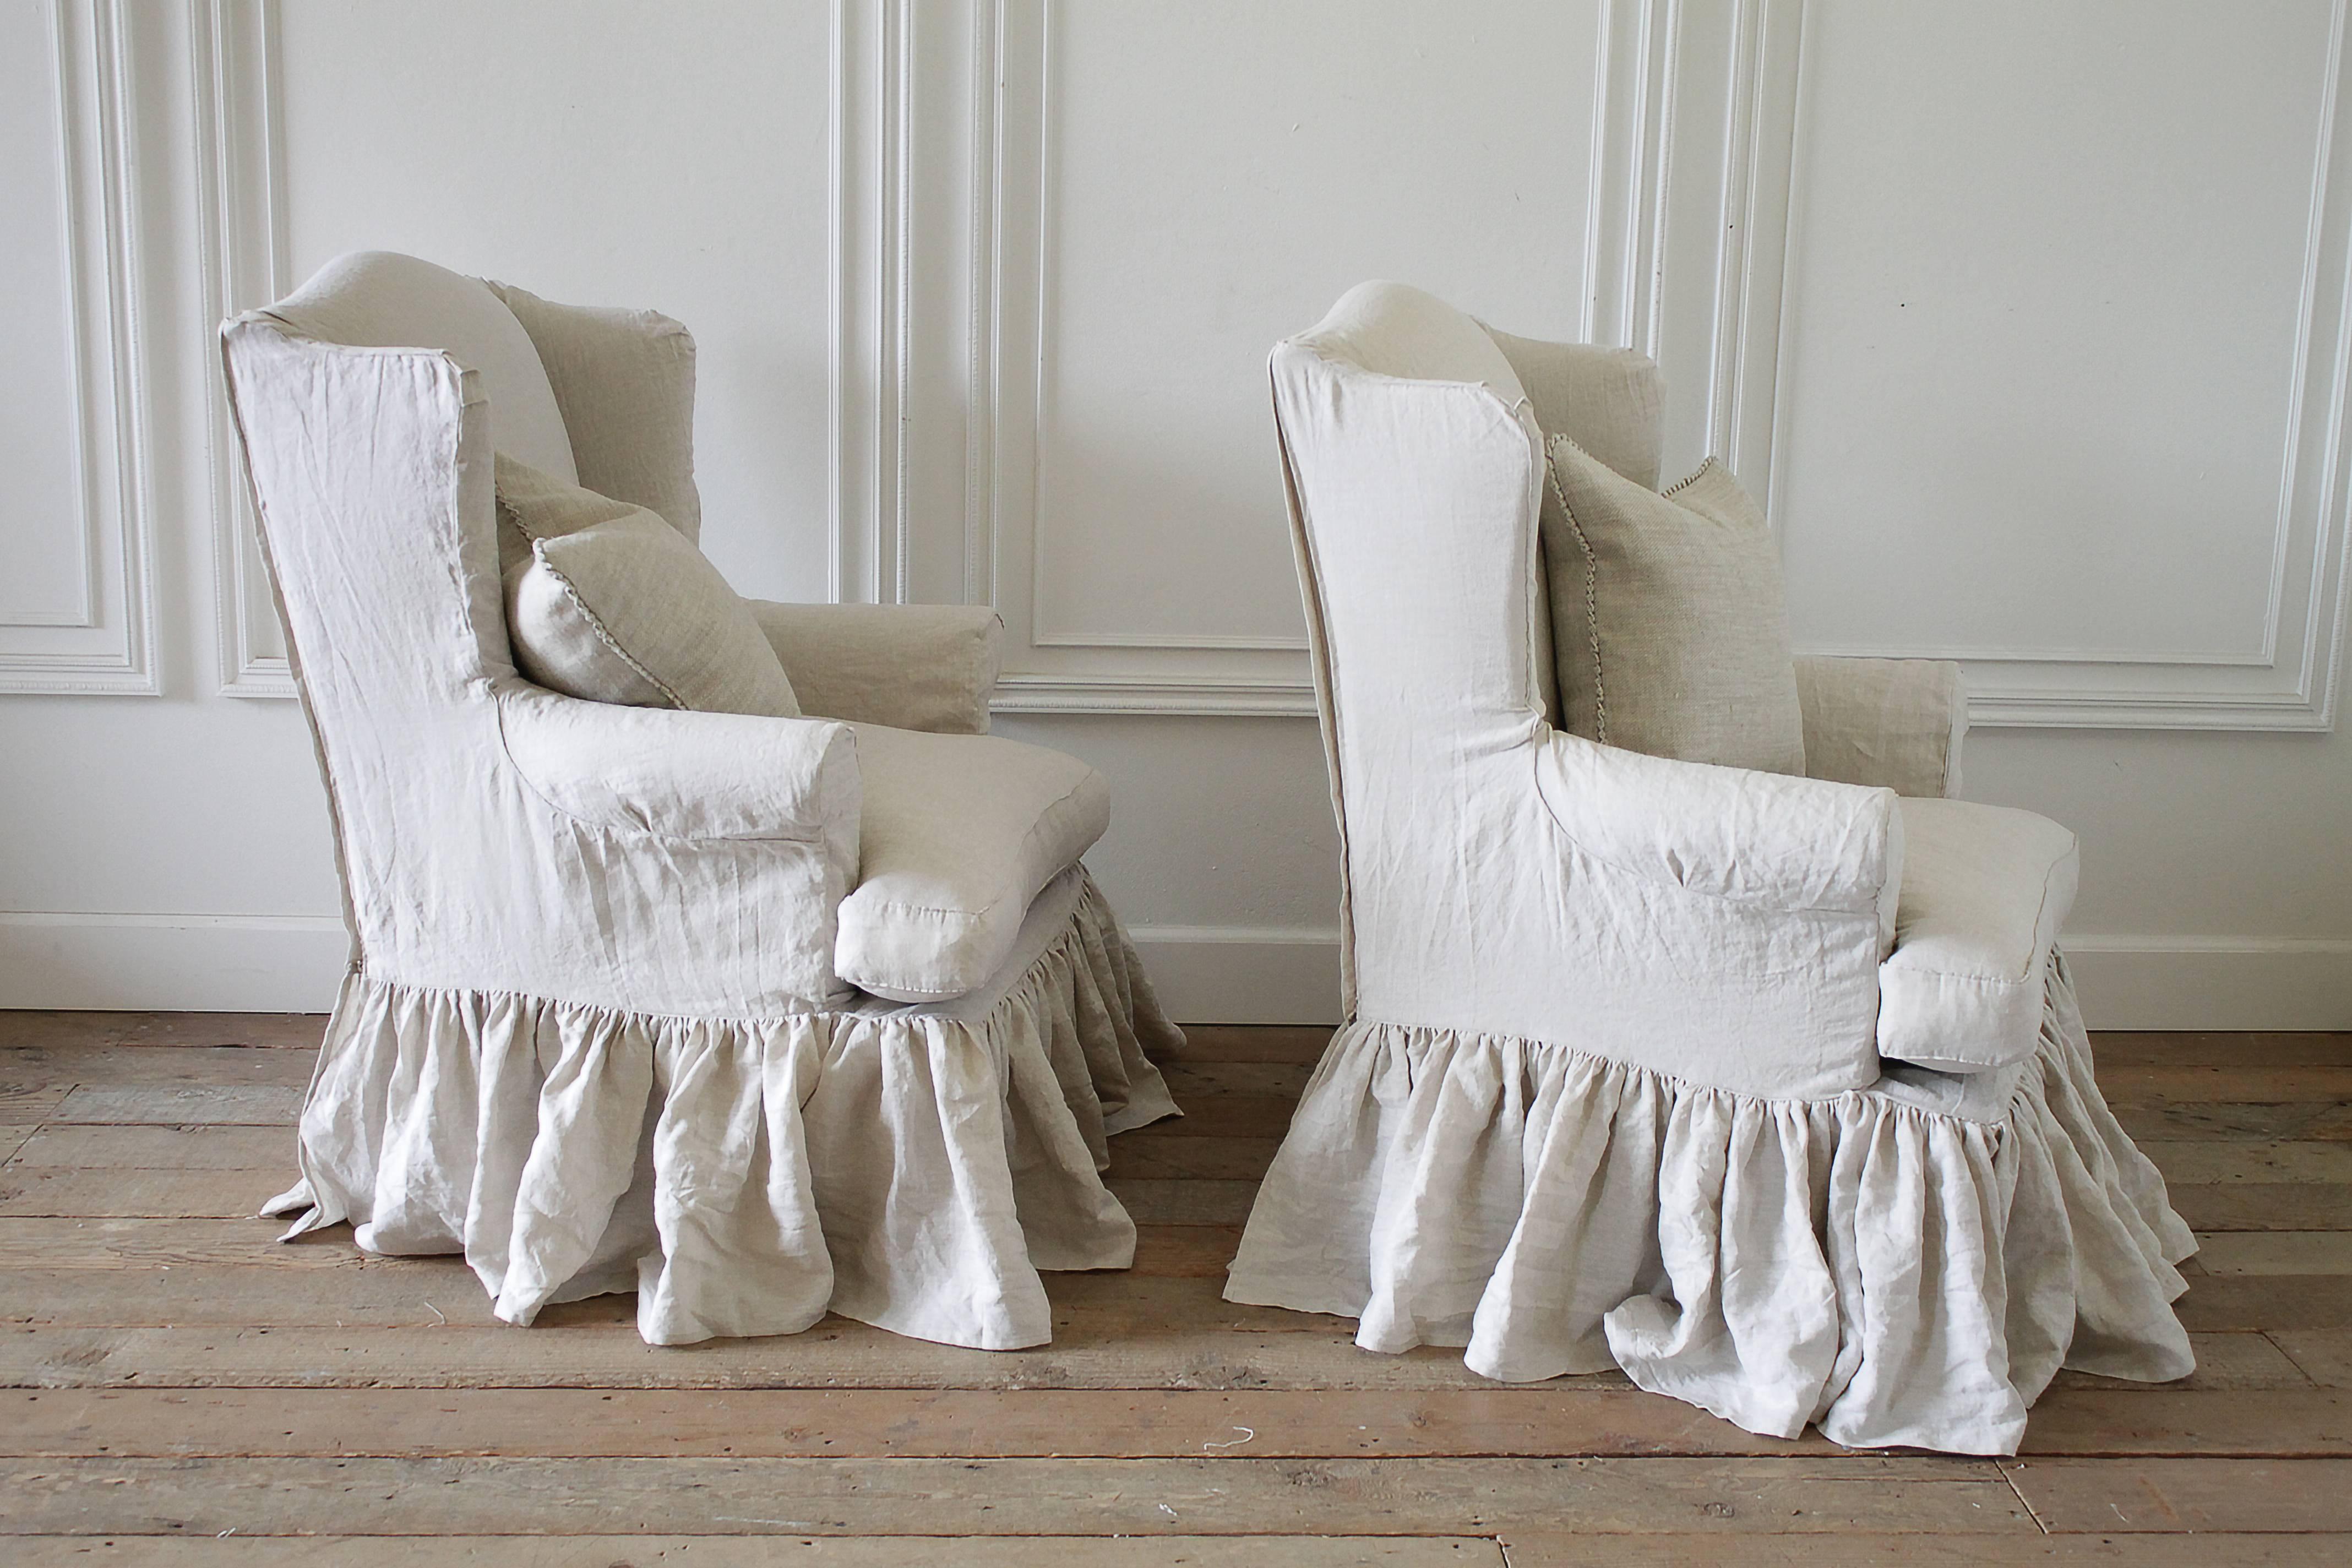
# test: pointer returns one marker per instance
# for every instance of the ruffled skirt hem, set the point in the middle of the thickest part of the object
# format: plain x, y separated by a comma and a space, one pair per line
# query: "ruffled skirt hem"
910, 1167
1895, 1271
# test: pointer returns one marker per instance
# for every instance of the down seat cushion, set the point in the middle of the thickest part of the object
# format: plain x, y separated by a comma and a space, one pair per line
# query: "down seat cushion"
1985, 889
958, 833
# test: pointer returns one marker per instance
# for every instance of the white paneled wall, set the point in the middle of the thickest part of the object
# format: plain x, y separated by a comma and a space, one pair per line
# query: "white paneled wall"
2029, 316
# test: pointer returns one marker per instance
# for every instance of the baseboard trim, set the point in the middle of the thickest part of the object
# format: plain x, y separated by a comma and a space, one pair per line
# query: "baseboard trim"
1203, 974
193, 964
1243, 974
2212, 983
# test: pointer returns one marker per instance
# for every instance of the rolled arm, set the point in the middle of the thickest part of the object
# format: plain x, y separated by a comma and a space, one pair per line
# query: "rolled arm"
910, 667
661, 771
1893, 722
1791, 844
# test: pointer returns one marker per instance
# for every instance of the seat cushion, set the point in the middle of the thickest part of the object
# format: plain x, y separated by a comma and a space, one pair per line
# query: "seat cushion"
958, 833
378, 299
1670, 625
608, 602
1985, 889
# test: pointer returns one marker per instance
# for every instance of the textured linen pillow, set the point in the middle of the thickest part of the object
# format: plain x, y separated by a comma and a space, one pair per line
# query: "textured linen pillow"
607, 602
1669, 619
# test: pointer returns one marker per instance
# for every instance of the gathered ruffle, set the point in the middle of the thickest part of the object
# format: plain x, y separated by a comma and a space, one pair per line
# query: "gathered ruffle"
910, 1167
1895, 1270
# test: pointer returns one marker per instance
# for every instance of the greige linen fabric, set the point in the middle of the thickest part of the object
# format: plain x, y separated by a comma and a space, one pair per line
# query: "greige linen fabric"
1894, 722
908, 1167
911, 666
1670, 625
624, 382
1554, 1211
594, 1034
610, 604
1609, 402
1609, 1087
1985, 890
379, 299
960, 834
1612, 402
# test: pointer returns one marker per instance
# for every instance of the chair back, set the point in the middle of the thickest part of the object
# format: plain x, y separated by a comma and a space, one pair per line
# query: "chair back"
369, 404
1413, 454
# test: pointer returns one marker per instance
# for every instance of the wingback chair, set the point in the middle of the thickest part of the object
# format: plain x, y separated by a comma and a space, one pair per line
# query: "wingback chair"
612, 1020
1769, 1090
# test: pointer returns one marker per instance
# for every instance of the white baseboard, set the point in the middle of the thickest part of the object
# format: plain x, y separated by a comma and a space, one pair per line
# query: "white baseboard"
191, 963
1243, 974
2212, 983
1204, 974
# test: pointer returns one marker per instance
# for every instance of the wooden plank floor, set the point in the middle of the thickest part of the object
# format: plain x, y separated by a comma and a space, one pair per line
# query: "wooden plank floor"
177, 1389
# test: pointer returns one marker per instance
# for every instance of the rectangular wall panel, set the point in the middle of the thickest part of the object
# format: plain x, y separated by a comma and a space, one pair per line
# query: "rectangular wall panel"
76, 613
2059, 389
1179, 187
44, 526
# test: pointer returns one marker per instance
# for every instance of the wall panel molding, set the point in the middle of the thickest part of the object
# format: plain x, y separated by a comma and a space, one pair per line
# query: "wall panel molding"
1711, 298
105, 644
242, 254
1688, 256
870, 246
1052, 667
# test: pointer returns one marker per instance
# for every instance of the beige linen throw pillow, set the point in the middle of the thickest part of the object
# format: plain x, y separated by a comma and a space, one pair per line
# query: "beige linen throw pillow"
1669, 619
608, 602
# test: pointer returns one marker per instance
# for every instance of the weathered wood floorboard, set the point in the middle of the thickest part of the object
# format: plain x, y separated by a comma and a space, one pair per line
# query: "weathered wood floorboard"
1021, 1496
51, 1243
1546, 1421
2110, 1496
168, 1372
1525, 1550
767, 1551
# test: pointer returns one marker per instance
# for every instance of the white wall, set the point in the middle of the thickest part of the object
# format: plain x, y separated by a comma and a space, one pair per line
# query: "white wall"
2029, 318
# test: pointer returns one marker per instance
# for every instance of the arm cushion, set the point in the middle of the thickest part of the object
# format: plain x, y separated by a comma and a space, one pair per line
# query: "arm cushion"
910, 667
1893, 722
676, 775
1729, 833
1985, 889
960, 834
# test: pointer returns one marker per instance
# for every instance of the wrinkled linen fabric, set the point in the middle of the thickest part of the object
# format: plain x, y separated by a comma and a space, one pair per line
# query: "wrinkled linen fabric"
957, 834
379, 299
909, 1167
1985, 890
606, 602
911, 666
592, 1036
1893, 722
1610, 1090
624, 385
1895, 1272
1670, 625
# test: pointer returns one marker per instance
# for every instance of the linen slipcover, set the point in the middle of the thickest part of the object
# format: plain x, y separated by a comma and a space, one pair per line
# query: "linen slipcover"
912, 667
1671, 622
1985, 890
960, 833
607, 602
1610, 1090
595, 1035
